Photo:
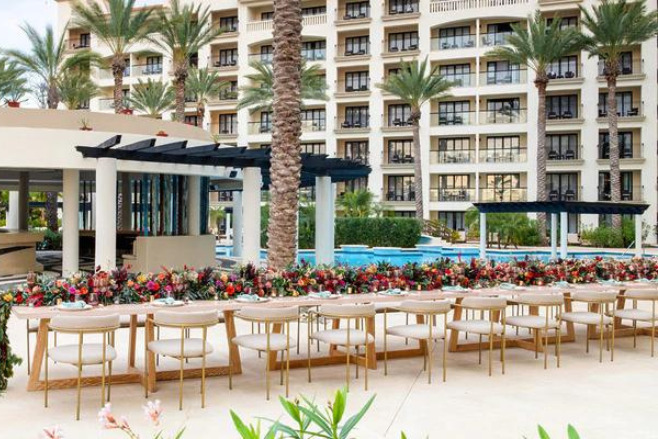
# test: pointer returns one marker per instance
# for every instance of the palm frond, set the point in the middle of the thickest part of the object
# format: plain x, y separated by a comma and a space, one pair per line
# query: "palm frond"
75, 89
152, 98
203, 84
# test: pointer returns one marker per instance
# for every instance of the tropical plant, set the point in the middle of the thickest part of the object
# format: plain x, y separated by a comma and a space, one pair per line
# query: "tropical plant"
260, 94
119, 26
202, 85
415, 85
285, 164
507, 228
612, 27
182, 32
152, 98
537, 46
76, 89
12, 81
571, 432
216, 216
360, 203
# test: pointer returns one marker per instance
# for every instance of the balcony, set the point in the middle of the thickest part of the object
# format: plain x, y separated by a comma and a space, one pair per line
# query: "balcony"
503, 116
632, 193
227, 31
225, 129
400, 196
452, 194
145, 70
352, 125
392, 123
314, 20
453, 42
256, 26
353, 88
453, 118
568, 115
400, 10
563, 194
626, 152
452, 157
363, 159
106, 104
628, 113
503, 77
493, 39
345, 16
503, 194
400, 159
396, 49
227, 95
347, 52
260, 128
77, 44
107, 73
629, 71
460, 79
223, 63
519, 155
310, 55
441, 6
565, 155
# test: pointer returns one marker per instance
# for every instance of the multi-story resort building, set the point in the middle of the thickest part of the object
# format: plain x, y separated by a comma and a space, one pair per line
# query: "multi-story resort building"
478, 145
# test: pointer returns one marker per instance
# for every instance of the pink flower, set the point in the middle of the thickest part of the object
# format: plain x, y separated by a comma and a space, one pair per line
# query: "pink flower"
52, 433
108, 421
153, 411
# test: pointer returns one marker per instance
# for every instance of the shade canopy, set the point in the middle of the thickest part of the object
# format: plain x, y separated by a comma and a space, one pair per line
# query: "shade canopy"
578, 207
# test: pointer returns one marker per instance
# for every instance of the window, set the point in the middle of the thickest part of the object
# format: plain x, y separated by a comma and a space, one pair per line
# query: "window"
454, 113
452, 220
453, 150
153, 65
316, 118
625, 106
625, 145
562, 186
402, 41
503, 187
503, 149
565, 67
625, 64
265, 122
126, 70
84, 41
230, 92
357, 45
266, 54
314, 50
357, 150
497, 34
455, 181
455, 188
228, 123
404, 214
627, 189
228, 24
357, 10
400, 188
313, 148
562, 107
565, 22
562, 146
356, 117
315, 10
502, 105
455, 38
360, 184
267, 16
400, 151
460, 74
398, 115
503, 110
503, 72
507, 181
357, 81
402, 6
192, 120
227, 57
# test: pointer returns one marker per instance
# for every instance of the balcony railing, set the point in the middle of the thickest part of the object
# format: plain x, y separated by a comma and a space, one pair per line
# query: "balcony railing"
563, 155
354, 124
634, 110
225, 129
633, 193
146, 69
223, 62
458, 156
264, 25
625, 151
503, 116
452, 194
106, 104
77, 44
562, 194
396, 122
308, 126
398, 196
399, 48
313, 126
260, 128
353, 86
453, 118
363, 159
346, 15
226, 29
441, 6
227, 95
454, 42
503, 77
636, 67
314, 54
460, 79
314, 19
401, 8
564, 114
503, 155
348, 50
563, 74
400, 159
503, 194
494, 38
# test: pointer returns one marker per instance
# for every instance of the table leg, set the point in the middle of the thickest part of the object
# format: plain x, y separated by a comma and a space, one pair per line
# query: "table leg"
236, 363
371, 352
132, 342
454, 334
39, 351
150, 356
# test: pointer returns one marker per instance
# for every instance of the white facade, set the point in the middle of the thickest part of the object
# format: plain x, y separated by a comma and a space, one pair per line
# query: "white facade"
478, 145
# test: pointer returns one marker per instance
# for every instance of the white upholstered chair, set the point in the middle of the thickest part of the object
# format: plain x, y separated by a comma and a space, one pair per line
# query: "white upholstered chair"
639, 315
598, 305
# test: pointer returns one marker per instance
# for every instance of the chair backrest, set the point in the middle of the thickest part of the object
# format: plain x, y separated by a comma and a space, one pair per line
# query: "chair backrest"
182, 319
348, 311
425, 307
484, 303
642, 294
595, 296
540, 299
81, 323
259, 313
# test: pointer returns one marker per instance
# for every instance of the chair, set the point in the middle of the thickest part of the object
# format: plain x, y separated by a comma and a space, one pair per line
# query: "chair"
482, 326
83, 354
569, 74
638, 315
183, 348
427, 331
270, 340
594, 317
348, 337
551, 303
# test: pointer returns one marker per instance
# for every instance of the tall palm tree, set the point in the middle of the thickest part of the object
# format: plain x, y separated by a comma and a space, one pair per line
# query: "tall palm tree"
537, 46
260, 94
415, 86
285, 165
360, 204
47, 59
152, 98
612, 27
116, 24
76, 89
201, 86
183, 31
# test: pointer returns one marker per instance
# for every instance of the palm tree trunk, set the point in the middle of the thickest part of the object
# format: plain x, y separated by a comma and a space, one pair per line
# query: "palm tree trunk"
285, 166
200, 114
541, 83
179, 84
418, 169
118, 66
615, 174
53, 96
51, 197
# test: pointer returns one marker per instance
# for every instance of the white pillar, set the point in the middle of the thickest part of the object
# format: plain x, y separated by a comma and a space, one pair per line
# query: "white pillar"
126, 202
638, 235
106, 213
554, 227
237, 224
564, 230
23, 200
70, 230
251, 185
227, 225
324, 220
194, 205
483, 235
12, 211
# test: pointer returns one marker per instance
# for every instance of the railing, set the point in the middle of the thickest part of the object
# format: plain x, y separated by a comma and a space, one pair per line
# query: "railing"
226, 30
77, 44
395, 122
263, 58
353, 86
358, 124
314, 54
569, 194
224, 129
260, 128
343, 15
634, 111
348, 50
494, 39
359, 158
636, 67
458, 156
107, 73
503, 77
455, 42
503, 116
566, 74
313, 20
308, 126
400, 159
503, 155
400, 196
399, 48
568, 154
453, 118
223, 62
313, 126
570, 113
503, 194
106, 104
402, 8
461, 79
633, 193
625, 151
452, 194
146, 69
254, 26
227, 95
460, 5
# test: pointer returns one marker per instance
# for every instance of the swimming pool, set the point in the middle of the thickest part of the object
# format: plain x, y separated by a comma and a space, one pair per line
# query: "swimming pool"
360, 254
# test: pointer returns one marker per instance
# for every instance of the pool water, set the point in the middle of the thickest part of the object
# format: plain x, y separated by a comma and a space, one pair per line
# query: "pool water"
356, 255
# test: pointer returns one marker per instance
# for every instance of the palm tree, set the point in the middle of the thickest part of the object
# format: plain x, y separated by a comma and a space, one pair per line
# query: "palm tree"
11, 79
152, 98
260, 94
119, 27
285, 165
76, 89
215, 217
358, 204
612, 27
183, 31
537, 46
201, 86
414, 86
47, 59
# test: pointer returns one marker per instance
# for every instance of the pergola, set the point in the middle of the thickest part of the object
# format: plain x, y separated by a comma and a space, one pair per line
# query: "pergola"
563, 208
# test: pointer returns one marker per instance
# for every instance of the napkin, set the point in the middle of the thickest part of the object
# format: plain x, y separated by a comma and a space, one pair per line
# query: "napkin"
74, 305
166, 300
645, 280
507, 286
249, 297
394, 292
562, 284
610, 282
322, 294
453, 288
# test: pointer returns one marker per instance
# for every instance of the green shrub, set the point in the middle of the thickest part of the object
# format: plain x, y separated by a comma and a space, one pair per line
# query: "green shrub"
51, 241
607, 237
378, 232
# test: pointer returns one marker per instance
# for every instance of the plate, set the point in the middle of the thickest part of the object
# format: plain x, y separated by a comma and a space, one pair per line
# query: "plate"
166, 305
323, 297
387, 293
245, 300
62, 307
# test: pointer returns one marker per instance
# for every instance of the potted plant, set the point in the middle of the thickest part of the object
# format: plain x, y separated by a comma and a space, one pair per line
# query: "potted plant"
16, 92
85, 125
128, 111
161, 134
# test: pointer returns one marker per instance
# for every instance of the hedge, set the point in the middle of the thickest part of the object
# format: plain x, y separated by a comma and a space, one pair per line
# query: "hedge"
378, 232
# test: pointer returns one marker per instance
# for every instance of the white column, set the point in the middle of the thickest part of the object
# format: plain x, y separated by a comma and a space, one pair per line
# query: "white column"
564, 230
106, 213
23, 200
554, 227
237, 224
126, 202
12, 211
70, 230
227, 225
483, 235
324, 220
251, 185
194, 205
638, 235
